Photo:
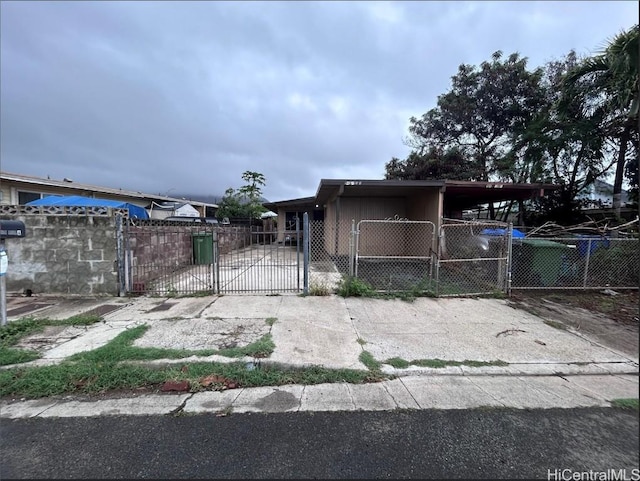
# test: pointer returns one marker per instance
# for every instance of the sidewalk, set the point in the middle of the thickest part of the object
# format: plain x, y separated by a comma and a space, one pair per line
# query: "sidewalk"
539, 366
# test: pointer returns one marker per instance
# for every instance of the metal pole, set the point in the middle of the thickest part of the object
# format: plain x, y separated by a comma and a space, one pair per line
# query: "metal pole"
298, 249
305, 240
3, 286
509, 257
586, 264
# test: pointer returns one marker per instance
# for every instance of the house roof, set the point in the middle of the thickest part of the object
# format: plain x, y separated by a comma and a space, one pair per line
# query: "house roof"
457, 194
298, 204
88, 188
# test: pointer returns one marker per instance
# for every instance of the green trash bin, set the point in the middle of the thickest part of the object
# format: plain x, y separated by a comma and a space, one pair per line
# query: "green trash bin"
203, 248
543, 259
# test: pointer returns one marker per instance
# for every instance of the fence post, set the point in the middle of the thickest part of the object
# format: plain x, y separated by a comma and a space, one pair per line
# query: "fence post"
120, 255
586, 264
509, 257
214, 258
353, 247
298, 250
305, 250
439, 247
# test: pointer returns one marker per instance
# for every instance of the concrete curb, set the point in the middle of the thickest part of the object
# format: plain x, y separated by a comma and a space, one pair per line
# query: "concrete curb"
411, 392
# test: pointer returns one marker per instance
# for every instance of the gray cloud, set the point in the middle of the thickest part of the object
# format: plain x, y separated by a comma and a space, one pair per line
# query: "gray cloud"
153, 96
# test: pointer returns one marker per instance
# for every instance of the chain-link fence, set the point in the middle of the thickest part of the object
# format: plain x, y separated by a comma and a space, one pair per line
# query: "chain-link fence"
585, 262
395, 255
327, 261
467, 257
473, 258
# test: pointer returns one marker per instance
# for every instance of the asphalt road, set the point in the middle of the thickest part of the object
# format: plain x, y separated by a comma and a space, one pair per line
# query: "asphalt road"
484, 443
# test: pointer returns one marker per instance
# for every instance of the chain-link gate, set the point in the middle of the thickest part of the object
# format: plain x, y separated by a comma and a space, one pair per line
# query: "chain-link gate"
395, 255
473, 258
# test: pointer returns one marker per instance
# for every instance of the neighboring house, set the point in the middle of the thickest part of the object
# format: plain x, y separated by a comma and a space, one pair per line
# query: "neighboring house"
172, 209
18, 189
600, 194
339, 202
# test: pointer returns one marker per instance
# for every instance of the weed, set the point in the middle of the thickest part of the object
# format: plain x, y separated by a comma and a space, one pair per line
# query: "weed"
121, 349
97, 377
368, 360
626, 403
202, 293
13, 331
354, 287
10, 355
555, 324
400, 363
319, 289
271, 320
361, 341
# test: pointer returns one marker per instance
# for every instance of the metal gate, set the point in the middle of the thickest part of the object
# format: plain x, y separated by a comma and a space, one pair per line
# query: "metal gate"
473, 258
178, 258
395, 254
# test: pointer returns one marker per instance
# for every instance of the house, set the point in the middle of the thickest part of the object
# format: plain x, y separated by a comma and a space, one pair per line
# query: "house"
600, 194
172, 209
339, 202
18, 189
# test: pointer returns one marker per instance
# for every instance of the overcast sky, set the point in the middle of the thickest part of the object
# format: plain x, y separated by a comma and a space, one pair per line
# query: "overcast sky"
183, 97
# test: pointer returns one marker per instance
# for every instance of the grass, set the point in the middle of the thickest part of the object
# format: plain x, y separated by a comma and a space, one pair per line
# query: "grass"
14, 331
361, 341
106, 368
271, 320
319, 289
555, 324
368, 360
95, 377
626, 403
355, 287
121, 349
400, 363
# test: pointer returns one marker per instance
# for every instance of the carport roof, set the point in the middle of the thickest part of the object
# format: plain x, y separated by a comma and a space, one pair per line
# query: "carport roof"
458, 194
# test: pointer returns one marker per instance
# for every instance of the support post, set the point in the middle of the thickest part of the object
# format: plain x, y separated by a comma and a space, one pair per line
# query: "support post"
3, 283
305, 250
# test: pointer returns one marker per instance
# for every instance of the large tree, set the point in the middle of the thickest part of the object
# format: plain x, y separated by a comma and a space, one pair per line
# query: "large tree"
481, 115
613, 75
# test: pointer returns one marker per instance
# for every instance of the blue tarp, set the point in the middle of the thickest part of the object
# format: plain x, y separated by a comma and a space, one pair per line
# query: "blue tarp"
135, 212
500, 232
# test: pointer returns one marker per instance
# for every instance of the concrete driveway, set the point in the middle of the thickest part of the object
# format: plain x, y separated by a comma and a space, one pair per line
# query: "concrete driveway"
333, 332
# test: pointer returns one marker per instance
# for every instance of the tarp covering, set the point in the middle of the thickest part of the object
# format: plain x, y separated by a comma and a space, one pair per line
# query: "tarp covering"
135, 212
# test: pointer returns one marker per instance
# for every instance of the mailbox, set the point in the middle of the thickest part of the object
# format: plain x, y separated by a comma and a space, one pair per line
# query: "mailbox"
11, 228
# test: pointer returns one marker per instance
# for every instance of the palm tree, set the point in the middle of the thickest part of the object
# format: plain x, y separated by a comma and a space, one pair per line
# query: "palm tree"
614, 74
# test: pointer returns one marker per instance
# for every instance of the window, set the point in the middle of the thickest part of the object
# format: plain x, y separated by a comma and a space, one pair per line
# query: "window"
24, 197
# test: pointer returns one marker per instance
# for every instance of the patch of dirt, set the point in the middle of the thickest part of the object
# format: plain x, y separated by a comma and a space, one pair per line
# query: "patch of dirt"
611, 320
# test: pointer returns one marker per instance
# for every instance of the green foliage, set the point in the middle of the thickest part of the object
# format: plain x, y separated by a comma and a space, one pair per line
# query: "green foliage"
568, 123
121, 349
246, 201
354, 287
10, 355
95, 377
13, 331
368, 360
400, 363
626, 403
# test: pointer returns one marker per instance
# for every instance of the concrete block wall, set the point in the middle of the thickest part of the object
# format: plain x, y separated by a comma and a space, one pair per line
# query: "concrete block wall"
233, 237
64, 254
154, 250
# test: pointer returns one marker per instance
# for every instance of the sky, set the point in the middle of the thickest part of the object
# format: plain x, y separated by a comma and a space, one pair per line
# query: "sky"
183, 97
